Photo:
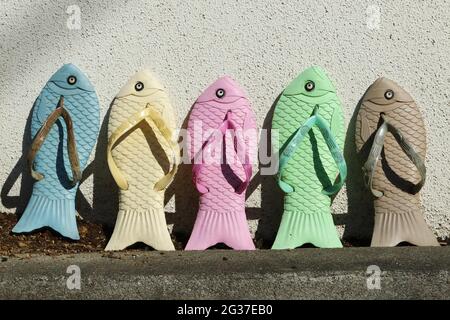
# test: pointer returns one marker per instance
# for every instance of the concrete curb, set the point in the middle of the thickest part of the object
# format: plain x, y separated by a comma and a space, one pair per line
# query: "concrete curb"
406, 273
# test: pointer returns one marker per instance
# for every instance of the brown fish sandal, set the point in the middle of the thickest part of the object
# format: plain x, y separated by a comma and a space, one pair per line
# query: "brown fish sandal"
39, 139
390, 129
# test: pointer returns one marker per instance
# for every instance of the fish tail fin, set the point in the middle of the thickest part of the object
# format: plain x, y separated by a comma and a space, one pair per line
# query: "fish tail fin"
298, 228
213, 227
393, 228
147, 226
59, 214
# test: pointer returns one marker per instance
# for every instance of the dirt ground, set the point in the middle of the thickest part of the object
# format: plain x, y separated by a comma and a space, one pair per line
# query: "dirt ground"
93, 238
45, 241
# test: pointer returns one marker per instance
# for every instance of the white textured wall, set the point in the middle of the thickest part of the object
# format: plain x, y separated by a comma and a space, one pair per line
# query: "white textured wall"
262, 44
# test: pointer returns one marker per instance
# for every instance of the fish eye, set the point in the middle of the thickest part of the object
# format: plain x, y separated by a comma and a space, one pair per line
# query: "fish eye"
309, 86
220, 93
72, 80
389, 94
139, 86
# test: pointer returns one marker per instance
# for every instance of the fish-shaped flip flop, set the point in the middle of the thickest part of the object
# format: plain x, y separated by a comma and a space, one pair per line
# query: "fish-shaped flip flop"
64, 129
309, 120
143, 157
391, 136
220, 176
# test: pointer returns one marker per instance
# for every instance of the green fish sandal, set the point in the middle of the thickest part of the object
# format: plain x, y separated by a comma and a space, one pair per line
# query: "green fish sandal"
310, 125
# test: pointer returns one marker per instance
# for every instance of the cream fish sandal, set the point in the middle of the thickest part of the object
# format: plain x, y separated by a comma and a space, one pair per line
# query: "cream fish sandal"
143, 156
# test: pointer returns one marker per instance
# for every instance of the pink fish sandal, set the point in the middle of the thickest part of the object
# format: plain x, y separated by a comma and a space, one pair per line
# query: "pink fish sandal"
222, 117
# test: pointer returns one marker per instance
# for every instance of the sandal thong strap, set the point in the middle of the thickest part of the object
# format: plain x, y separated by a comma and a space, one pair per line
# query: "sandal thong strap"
42, 134
227, 124
375, 152
294, 143
153, 119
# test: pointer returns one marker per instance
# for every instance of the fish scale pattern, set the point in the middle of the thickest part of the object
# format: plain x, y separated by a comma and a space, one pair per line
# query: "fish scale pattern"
312, 167
141, 156
398, 214
221, 179
52, 160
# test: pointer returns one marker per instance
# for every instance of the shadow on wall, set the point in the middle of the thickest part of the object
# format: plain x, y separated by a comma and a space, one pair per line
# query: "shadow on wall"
186, 198
106, 193
19, 171
271, 195
360, 218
